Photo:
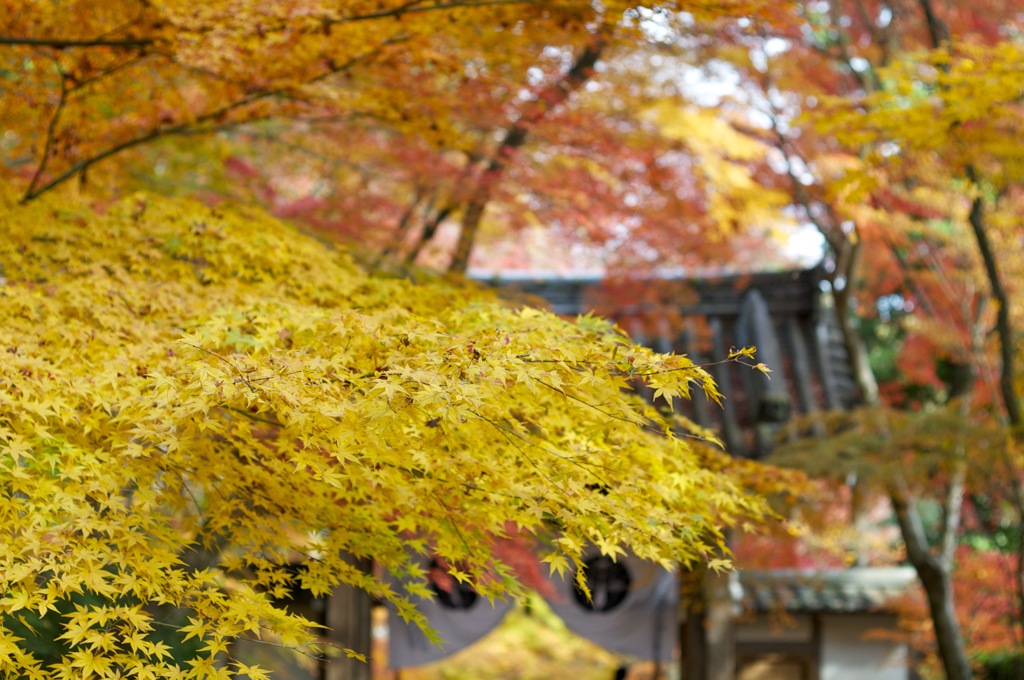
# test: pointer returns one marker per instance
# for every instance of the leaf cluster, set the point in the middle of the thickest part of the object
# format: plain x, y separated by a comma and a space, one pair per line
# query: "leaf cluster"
195, 399
881, 444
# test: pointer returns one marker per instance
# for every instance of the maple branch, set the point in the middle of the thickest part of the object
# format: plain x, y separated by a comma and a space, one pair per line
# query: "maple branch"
514, 138
509, 431
593, 406
253, 416
51, 130
923, 298
468, 486
199, 70
109, 71
399, 233
1004, 329
397, 12
868, 81
61, 43
705, 365
952, 509
429, 230
35, 191
411, 8
641, 425
626, 373
184, 487
508, 434
935, 576
242, 377
431, 225
879, 36
333, 162
866, 20
298, 649
961, 391
938, 32
847, 253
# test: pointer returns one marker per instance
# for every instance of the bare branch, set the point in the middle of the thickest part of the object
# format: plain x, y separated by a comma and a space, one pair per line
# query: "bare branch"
937, 29
36, 190
51, 131
1004, 328
412, 8
515, 137
62, 43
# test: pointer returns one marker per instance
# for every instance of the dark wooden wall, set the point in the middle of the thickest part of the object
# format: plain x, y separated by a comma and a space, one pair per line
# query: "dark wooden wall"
787, 315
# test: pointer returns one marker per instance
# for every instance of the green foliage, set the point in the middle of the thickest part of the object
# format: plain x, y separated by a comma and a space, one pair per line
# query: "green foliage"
1006, 665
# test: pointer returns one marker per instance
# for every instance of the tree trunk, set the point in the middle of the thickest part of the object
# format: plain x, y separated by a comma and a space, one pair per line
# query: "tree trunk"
1007, 374
1004, 329
514, 138
937, 580
934, 572
348, 619
863, 376
430, 226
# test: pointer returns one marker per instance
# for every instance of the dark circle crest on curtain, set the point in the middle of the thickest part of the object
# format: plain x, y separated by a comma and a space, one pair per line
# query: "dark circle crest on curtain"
459, 596
608, 582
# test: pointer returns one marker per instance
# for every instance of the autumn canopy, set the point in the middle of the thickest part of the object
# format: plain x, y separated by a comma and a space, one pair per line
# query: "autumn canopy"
195, 399
408, 113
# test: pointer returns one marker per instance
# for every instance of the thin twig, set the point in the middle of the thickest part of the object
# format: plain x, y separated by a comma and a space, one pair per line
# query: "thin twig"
601, 481
51, 129
252, 416
509, 431
530, 460
109, 71
453, 523
241, 374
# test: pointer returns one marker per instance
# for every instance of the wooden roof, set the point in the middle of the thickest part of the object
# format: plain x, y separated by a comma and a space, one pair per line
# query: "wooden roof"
840, 591
786, 315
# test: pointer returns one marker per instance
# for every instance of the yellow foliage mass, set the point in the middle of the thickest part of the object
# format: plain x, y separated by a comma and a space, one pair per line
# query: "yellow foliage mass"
192, 398
734, 195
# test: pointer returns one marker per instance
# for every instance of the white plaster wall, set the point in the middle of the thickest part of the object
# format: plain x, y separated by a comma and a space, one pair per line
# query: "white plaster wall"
848, 653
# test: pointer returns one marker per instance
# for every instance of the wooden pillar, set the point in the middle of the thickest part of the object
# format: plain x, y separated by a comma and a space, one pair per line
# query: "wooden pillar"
719, 627
691, 632
824, 355
803, 376
707, 637
348, 619
719, 371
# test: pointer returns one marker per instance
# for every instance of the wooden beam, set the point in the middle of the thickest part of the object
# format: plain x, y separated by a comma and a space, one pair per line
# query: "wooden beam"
349, 623
701, 411
823, 342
